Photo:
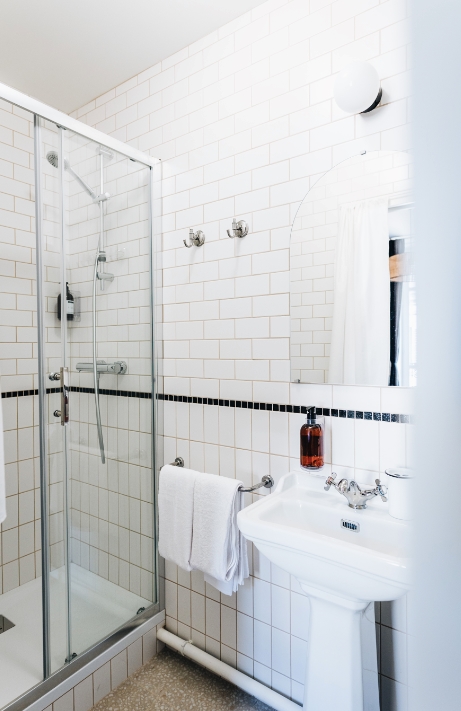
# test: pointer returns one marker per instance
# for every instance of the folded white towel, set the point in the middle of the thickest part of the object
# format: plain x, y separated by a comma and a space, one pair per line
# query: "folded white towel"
175, 514
218, 548
2, 471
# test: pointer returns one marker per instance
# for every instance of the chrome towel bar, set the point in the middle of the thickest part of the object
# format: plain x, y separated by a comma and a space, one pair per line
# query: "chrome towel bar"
267, 481
178, 462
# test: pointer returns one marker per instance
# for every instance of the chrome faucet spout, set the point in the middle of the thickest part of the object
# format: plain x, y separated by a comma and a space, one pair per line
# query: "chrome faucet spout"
357, 498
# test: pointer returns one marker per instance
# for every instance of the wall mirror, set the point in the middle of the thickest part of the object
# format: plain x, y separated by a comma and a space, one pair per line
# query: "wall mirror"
352, 291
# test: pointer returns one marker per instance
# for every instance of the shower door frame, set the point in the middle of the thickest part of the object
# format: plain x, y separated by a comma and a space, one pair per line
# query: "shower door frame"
40, 111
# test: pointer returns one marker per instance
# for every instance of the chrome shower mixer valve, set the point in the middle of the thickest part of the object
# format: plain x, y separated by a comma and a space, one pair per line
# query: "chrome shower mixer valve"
357, 498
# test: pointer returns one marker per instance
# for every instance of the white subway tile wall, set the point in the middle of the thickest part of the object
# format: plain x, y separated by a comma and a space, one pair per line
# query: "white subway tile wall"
245, 123
17, 239
20, 532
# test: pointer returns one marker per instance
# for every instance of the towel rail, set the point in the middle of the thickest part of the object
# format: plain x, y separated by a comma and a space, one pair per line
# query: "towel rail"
267, 481
178, 462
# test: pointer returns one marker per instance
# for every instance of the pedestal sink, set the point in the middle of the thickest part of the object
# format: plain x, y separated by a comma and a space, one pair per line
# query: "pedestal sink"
343, 559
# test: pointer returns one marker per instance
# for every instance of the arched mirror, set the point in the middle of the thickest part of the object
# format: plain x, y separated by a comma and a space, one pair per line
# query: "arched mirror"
352, 292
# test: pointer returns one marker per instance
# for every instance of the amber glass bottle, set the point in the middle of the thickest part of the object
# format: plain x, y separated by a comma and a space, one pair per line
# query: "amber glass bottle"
311, 436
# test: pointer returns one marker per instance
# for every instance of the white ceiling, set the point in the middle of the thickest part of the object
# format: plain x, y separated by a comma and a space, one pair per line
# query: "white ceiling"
67, 52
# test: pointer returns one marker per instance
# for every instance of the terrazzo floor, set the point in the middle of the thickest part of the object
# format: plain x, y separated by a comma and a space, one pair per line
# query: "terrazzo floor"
171, 683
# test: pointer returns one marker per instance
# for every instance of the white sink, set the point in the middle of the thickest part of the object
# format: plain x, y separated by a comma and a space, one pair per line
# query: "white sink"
299, 528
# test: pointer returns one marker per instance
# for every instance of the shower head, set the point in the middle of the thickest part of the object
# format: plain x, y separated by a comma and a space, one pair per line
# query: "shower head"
52, 158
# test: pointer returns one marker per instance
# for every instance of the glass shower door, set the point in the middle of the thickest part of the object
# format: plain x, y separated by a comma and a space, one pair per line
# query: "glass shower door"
107, 197
56, 355
97, 284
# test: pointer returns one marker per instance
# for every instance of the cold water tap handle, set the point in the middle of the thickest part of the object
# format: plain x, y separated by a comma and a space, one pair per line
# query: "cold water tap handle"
329, 482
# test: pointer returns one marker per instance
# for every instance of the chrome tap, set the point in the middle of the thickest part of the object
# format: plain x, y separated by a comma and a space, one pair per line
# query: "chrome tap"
356, 497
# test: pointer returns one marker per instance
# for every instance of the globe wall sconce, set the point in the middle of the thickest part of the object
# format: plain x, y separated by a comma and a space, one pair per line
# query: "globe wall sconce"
357, 88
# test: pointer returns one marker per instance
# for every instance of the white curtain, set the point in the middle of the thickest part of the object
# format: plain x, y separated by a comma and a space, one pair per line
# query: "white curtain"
360, 344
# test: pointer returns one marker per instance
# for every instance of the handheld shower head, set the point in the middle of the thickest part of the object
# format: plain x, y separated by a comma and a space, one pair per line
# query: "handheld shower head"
52, 158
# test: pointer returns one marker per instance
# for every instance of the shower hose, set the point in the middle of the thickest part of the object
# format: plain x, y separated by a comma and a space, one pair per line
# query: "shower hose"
95, 364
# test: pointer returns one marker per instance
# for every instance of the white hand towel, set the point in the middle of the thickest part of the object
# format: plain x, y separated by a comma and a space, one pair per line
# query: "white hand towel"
218, 548
2, 471
175, 514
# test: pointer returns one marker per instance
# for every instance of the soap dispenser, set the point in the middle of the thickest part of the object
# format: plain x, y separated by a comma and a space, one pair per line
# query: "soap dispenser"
311, 441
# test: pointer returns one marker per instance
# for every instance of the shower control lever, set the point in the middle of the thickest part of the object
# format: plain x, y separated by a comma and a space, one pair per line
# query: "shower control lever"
54, 376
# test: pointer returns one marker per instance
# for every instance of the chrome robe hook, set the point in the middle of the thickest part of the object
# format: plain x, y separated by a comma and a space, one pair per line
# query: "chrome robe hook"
239, 229
195, 238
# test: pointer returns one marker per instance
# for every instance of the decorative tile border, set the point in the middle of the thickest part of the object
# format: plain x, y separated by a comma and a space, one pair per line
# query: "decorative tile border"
302, 409
74, 389
244, 404
115, 393
25, 393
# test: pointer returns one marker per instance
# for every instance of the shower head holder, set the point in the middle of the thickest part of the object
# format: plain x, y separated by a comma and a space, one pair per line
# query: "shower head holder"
101, 198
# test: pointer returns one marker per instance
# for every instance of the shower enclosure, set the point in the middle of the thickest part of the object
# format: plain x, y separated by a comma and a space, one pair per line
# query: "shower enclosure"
94, 399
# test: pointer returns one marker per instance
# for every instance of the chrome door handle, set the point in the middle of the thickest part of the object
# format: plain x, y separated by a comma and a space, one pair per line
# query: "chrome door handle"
64, 412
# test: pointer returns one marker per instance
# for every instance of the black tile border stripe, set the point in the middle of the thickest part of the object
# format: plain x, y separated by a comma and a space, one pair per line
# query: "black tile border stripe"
115, 393
244, 404
74, 389
302, 409
25, 393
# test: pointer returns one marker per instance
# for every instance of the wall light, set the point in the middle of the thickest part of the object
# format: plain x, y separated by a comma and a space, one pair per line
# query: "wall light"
357, 88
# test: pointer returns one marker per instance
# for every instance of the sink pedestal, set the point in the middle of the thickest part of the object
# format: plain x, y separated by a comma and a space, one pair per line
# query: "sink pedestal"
333, 679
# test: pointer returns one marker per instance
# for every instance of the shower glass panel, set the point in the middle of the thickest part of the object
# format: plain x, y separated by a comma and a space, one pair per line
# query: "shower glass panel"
55, 352
21, 662
96, 235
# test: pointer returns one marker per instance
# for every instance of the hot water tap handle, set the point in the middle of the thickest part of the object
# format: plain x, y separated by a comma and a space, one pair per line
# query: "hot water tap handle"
329, 481
381, 489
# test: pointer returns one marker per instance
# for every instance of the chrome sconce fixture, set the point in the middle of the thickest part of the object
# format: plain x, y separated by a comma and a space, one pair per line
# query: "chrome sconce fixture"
195, 238
239, 229
357, 88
